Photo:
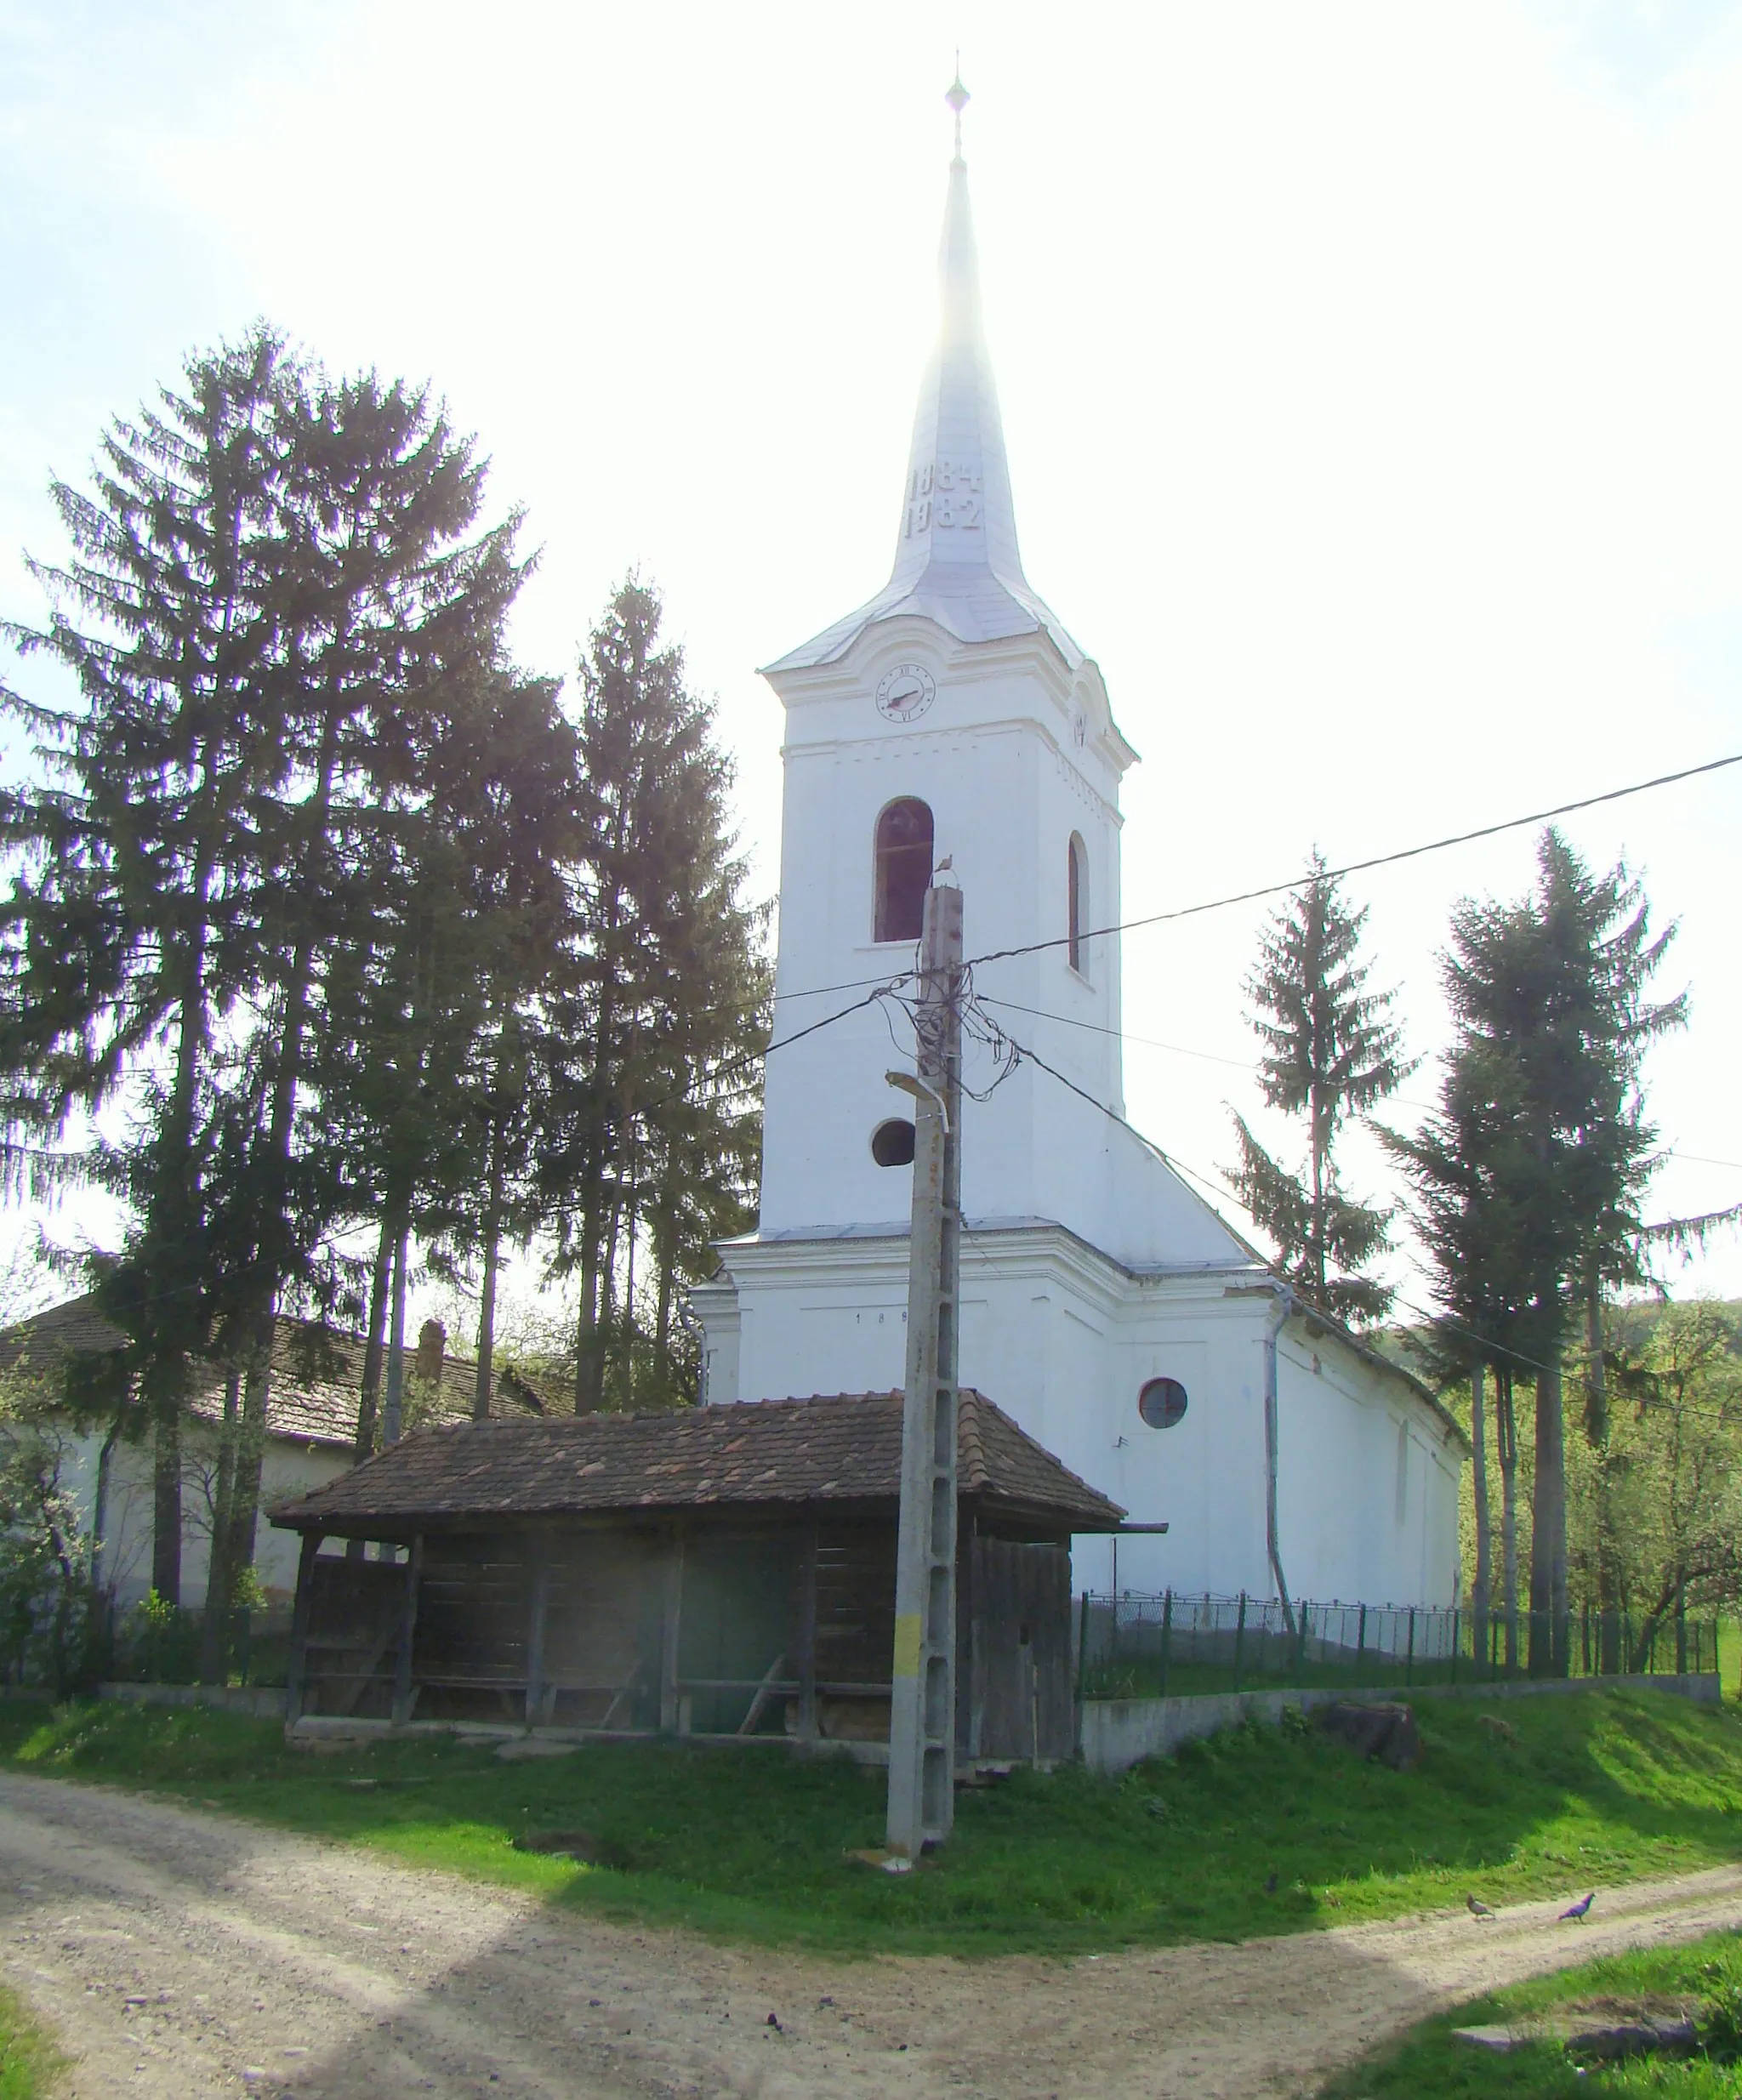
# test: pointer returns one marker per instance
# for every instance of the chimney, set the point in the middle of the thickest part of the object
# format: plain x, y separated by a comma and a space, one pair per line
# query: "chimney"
432, 1347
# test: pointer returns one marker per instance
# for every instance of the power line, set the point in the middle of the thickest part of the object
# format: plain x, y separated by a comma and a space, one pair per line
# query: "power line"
1580, 1379
1356, 867
1244, 1064
1025, 1056
855, 984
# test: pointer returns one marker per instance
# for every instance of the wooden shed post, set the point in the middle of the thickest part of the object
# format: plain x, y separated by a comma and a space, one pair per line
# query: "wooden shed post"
403, 1690
297, 1676
808, 1633
670, 1619
539, 1547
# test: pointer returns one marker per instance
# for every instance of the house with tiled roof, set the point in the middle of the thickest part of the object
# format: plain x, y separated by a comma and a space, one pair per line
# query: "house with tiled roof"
311, 1429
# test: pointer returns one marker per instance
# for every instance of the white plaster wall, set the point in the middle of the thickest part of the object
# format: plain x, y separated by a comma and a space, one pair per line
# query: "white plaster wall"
289, 1469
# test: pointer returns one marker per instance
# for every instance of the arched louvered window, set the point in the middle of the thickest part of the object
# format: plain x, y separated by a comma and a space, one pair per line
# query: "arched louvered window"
904, 870
1077, 882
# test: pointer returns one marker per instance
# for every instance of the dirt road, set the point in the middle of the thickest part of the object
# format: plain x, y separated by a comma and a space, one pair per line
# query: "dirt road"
181, 1955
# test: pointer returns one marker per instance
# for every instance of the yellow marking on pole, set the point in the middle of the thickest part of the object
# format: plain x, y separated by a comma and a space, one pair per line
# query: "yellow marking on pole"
906, 1645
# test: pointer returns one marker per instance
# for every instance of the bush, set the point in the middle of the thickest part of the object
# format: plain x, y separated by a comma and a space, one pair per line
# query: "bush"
51, 1615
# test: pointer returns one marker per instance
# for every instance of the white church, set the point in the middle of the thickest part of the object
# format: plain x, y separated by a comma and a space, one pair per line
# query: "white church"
1105, 1305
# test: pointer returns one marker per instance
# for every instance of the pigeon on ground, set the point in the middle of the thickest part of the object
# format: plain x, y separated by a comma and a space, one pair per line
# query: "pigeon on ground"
1477, 1909
1579, 1910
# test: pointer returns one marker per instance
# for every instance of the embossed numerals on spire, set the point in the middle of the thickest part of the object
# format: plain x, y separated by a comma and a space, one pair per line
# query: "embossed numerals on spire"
949, 494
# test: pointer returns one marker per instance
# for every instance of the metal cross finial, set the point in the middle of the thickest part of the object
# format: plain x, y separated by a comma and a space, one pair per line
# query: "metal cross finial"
958, 100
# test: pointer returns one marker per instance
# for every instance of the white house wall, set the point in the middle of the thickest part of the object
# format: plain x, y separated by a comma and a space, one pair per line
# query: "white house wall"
287, 1469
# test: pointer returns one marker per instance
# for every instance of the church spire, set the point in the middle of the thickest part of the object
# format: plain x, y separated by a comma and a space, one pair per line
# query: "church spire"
956, 559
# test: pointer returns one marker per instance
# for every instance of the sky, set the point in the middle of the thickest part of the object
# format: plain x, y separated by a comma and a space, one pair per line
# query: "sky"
1368, 376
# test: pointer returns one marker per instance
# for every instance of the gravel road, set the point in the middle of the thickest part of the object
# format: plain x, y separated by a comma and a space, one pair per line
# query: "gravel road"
181, 1955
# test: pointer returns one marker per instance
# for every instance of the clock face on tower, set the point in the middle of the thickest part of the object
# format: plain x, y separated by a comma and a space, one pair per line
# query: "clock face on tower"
904, 693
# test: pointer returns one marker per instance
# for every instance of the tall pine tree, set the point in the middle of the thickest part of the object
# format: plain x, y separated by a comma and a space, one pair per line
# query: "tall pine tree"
133, 928
658, 1003
1330, 1052
1531, 1175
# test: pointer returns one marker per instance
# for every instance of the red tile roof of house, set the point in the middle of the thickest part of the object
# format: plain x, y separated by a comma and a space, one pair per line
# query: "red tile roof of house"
317, 1373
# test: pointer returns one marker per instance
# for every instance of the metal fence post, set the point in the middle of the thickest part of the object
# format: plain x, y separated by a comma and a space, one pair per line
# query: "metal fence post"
1082, 1648
1456, 1615
1240, 1639
1360, 1639
1301, 1637
1410, 1655
1167, 1636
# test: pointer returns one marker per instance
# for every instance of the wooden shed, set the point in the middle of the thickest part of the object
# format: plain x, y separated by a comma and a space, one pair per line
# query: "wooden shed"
723, 1571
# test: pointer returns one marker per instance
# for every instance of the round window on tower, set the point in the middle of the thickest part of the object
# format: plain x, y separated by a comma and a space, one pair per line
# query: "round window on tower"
1162, 1403
892, 1143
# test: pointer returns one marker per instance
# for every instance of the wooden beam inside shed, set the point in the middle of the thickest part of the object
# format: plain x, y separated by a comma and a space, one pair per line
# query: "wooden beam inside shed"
670, 1624
404, 1691
296, 1679
538, 1547
807, 1633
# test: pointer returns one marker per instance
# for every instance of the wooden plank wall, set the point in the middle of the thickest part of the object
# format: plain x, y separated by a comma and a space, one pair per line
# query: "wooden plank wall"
598, 1650
355, 1611
855, 1629
469, 1660
602, 1629
1021, 1693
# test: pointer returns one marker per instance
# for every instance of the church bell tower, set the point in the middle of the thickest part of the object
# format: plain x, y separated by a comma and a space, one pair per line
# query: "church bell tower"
951, 718
951, 721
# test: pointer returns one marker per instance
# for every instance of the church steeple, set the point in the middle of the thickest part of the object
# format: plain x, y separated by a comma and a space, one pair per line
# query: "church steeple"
956, 562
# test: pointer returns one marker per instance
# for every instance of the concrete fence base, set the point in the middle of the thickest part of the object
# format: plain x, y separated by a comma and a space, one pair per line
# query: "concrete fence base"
259, 1702
1115, 1734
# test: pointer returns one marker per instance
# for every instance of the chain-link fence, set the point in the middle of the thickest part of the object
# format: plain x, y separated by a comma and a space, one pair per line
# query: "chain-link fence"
1172, 1646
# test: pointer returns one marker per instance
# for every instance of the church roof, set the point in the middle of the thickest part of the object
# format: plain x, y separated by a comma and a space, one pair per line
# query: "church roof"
956, 560
835, 1447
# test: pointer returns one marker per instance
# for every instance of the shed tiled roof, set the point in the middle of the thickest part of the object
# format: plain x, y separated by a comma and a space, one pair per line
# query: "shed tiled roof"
844, 1446
317, 1373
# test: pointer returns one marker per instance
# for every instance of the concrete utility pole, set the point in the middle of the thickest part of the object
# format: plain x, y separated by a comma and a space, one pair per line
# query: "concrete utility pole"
922, 1724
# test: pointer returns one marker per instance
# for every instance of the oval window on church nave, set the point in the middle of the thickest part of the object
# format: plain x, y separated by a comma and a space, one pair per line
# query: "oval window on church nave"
1162, 1403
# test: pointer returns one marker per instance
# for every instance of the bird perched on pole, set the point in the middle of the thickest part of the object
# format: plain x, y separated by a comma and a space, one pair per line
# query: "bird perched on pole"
1579, 1910
1476, 1908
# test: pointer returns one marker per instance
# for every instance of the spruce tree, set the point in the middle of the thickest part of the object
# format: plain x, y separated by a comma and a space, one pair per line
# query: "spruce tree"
132, 927
401, 595
280, 592
1530, 1176
658, 1003
1330, 1052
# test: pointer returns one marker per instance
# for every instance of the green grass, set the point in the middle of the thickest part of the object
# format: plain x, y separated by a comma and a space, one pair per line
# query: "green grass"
1428, 2063
30, 2063
751, 1844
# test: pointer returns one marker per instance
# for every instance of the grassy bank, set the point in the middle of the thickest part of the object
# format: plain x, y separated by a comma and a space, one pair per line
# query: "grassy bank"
1430, 2063
754, 1845
29, 2065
